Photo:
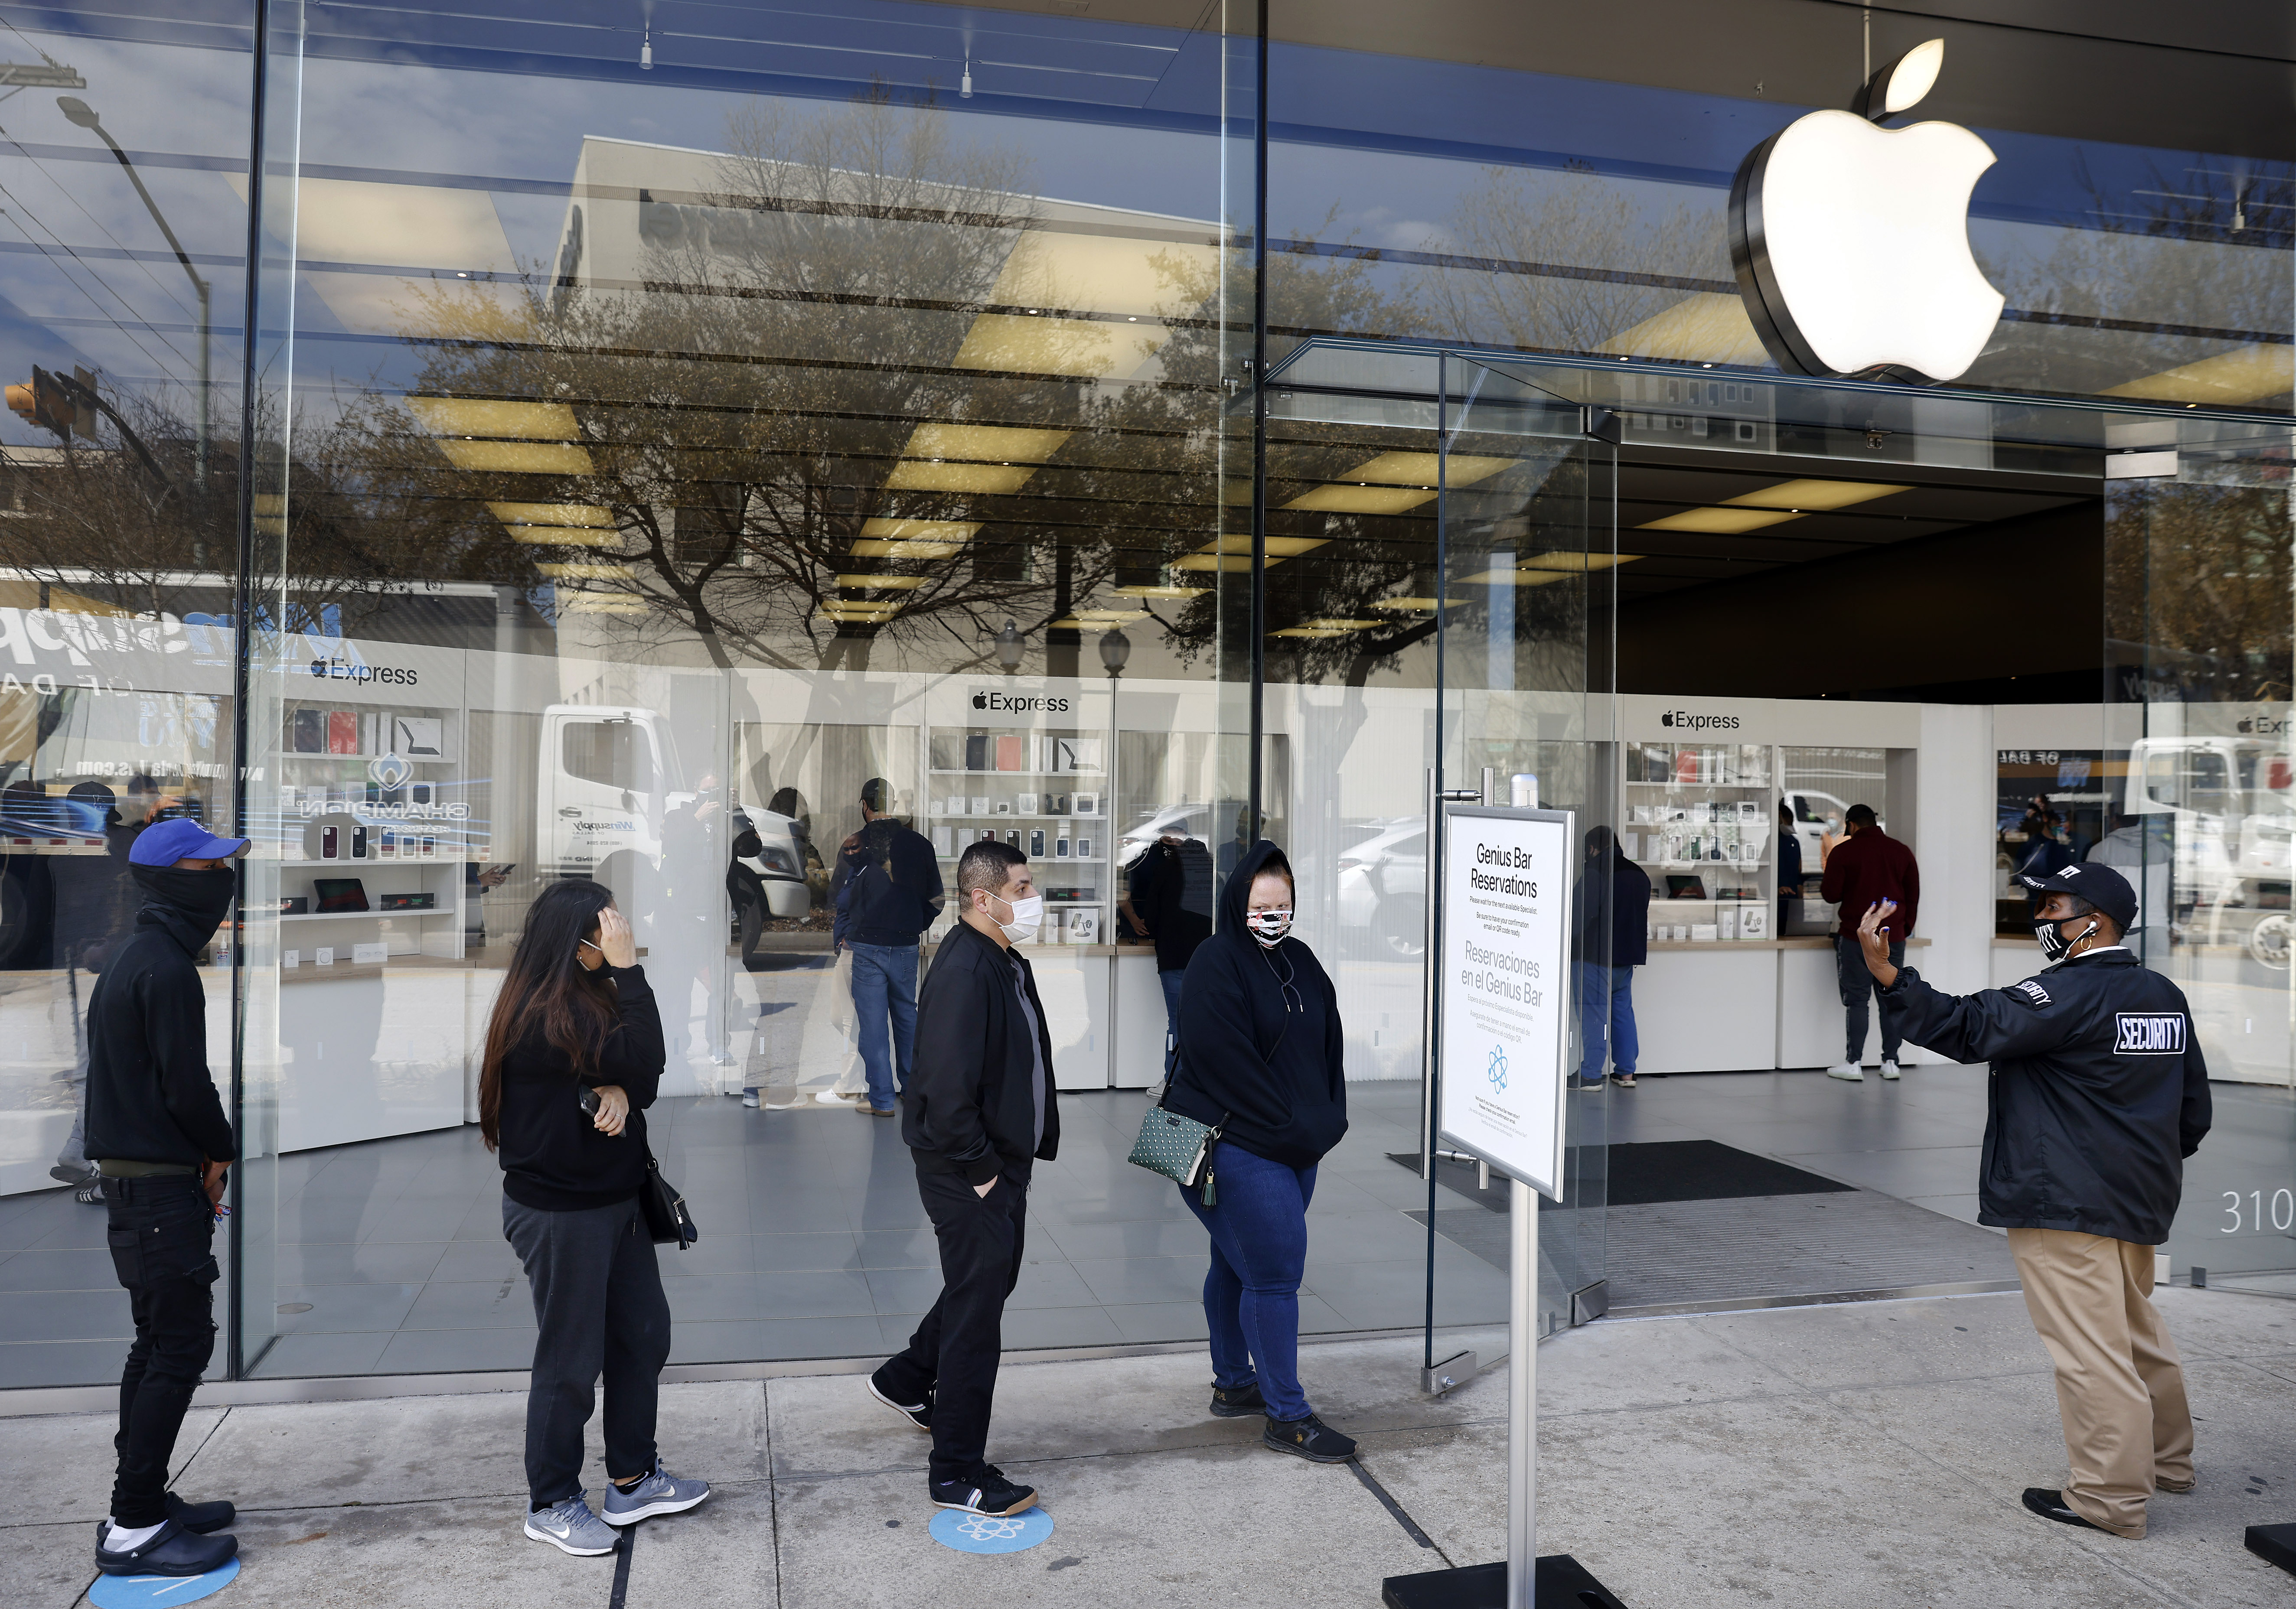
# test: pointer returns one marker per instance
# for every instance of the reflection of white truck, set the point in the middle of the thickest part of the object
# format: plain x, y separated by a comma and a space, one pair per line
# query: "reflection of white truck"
2232, 807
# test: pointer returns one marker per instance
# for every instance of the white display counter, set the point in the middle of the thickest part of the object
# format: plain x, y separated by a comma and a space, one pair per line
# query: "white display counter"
1744, 1006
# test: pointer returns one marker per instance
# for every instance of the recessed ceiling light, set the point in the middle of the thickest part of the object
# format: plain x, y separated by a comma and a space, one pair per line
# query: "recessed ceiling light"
1813, 496
1720, 522
552, 513
899, 584
517, 457
470, 416
588, 572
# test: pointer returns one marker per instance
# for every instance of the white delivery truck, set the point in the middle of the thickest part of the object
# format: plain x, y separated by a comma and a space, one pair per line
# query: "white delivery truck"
2231, 805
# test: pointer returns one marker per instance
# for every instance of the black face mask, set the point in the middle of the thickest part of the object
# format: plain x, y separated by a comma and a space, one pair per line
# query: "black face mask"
203, 896
2055, 944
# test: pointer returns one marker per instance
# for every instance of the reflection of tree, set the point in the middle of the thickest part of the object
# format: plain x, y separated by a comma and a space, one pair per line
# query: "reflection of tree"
2198, 575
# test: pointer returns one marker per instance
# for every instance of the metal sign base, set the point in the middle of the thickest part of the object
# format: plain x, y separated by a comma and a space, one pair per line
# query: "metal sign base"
1563, 1582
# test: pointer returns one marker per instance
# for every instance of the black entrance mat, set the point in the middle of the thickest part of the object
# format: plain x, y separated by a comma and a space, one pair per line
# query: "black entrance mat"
1657, 1171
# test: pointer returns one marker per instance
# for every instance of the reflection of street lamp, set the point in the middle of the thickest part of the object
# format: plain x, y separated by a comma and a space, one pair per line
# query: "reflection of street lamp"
1008, 647
85, 116
1115, 648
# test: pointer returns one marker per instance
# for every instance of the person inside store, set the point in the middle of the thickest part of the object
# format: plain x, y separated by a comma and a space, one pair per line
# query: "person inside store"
1788, 869
889, 890
979, 1114
1610, 937
574, 1056
95, 901
1168, 898
2044, 838
1263, 1059
2096, 1095
1865, 869
157, 1132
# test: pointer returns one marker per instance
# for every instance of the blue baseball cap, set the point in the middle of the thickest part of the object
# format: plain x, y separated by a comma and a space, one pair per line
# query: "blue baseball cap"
164, 843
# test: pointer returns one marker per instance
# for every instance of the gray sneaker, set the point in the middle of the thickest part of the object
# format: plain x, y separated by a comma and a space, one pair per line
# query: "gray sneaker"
660, 1492
570, 1527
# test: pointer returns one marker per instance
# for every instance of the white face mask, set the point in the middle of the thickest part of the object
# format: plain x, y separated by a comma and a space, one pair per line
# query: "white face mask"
1269, 926
1028, 916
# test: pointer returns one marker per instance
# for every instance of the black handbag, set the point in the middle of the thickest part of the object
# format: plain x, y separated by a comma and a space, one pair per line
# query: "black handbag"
667, 1219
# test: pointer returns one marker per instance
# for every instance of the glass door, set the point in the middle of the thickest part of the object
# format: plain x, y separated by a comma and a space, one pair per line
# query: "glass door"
1523, 590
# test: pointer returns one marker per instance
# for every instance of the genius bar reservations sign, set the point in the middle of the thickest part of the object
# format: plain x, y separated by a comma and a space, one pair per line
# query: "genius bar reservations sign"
1504, 995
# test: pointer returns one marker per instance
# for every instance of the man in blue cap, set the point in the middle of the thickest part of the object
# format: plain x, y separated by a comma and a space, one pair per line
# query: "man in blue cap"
157, 1132
2097, 1094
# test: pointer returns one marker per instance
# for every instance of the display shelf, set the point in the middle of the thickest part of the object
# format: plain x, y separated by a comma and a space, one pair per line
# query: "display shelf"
1050, 791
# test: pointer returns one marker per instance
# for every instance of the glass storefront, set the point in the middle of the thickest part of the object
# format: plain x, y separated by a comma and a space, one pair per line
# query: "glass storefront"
465, 450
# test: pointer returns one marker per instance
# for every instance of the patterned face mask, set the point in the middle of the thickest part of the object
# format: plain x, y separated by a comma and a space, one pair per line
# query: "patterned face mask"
1269, 926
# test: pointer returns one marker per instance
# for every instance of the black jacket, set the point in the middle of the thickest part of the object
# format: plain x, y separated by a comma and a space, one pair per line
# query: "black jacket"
552, 1155
150, 1096
2097, 1094
1261, 1047
1616, 890
971, 1105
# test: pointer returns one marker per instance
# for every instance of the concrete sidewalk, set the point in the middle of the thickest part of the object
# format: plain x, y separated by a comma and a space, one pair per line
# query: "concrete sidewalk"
1868, 1456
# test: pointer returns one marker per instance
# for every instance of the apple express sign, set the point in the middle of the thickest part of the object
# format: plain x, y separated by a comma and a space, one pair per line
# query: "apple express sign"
1850, 240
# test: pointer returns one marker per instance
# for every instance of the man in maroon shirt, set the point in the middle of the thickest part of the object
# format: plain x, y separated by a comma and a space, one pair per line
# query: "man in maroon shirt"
1862, 870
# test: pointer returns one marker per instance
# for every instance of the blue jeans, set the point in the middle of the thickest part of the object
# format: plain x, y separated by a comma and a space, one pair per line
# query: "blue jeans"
1606, 1014
1857, 987
1171, 982
885, 982
1251, 1292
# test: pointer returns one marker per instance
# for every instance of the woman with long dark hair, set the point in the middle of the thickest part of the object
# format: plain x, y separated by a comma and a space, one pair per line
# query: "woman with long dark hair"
574, 1055
1261, 1055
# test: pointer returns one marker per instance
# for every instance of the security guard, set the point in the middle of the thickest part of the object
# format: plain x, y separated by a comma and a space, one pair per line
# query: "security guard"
2097, 1095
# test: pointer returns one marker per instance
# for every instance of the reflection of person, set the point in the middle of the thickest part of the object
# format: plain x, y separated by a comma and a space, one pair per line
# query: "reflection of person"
979, 1114
692, 869
2046, 851
159, 1133
95, 899
576, 1018
1789, 873
1262, 1056
2096, 1095
1168, 899
1613, 893
2140, 849
890, 885
1866, 868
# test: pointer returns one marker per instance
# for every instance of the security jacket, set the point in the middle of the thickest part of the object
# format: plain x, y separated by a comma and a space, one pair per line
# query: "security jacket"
2098, 1092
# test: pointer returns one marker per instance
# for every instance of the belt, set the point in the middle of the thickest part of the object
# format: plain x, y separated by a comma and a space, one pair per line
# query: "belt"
119, 1168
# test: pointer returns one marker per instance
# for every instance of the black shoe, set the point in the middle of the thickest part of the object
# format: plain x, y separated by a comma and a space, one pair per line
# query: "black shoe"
201, 1518
1311, 1439
919, 1413
171, 1551
1237, 1401
988, 1491
69, 1175
2051, 1505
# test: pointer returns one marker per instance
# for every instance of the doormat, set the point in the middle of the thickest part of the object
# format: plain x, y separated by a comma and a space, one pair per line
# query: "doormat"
1651, 1172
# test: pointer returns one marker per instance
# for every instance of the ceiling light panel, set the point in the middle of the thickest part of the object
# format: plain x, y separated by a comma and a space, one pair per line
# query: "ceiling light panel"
1513, 577
552, 513
1160, 592
469, 416
588, 572
1086, 348
892, 584
1420, 470
1813, 496
516, 457
914, 474
1720, 522
1278, 547
951, 531
1574, 563
562, 535
1076, 273
995, 443
1362, 500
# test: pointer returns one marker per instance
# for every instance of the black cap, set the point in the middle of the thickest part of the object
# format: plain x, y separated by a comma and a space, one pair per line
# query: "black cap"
2101, 886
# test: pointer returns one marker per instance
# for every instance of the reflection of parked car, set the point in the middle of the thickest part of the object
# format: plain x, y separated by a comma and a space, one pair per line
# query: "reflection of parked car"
770, 848
1815, 815
1382, 886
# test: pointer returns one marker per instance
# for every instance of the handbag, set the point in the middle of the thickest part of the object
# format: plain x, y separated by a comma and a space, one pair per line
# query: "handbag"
1178, 1148
667, 1219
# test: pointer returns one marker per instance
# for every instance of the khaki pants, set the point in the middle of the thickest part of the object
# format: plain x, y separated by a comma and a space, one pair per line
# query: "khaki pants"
2120, 1389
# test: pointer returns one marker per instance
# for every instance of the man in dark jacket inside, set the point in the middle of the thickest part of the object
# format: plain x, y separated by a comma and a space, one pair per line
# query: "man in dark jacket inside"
1610, 935
2096, 1095
157, 1132
1862, 871
978, 1114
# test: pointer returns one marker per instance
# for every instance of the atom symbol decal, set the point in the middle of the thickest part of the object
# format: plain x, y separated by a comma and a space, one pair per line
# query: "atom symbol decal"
990, 1528
1498, 1068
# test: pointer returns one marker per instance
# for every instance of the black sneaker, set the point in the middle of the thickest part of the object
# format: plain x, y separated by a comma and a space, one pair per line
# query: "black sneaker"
919, 1413
2051, 1505
201, 1518
1237, 1401
171, 1551
986, 1491
1311, 1439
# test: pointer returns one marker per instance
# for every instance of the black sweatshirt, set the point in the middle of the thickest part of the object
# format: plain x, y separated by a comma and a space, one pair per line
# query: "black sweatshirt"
553, 1157
150, 1096
1260, 1041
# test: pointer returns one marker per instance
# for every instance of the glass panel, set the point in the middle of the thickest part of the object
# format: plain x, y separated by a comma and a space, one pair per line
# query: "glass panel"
124, 245
1525, 588
693, 478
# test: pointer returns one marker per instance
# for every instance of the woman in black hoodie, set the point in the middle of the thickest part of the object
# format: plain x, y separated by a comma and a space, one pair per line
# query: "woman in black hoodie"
1261, 1055
574, 1056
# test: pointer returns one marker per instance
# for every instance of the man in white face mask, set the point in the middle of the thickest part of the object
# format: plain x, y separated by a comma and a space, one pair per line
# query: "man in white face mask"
979, 1111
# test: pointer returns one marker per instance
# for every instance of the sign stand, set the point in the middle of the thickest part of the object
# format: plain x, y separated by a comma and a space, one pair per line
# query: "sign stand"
1502, 990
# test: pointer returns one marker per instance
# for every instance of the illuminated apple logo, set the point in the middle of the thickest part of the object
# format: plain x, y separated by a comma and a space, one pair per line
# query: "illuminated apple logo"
1851, 241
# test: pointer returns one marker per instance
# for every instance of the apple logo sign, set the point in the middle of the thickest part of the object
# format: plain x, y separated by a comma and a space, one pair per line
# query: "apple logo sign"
1850, 240
980, 700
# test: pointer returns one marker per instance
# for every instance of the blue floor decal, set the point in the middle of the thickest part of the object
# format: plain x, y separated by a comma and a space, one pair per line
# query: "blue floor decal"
990, 1532
141, 1591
